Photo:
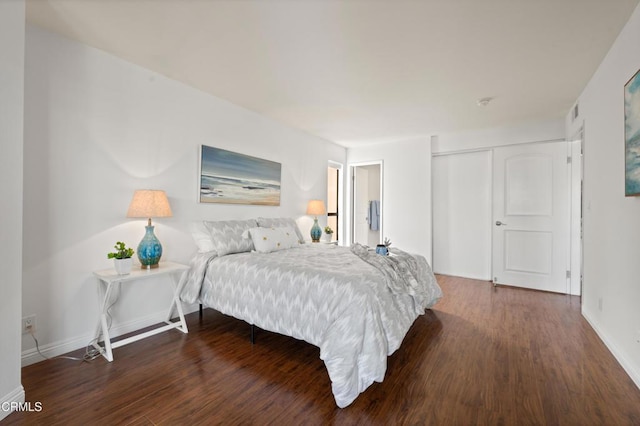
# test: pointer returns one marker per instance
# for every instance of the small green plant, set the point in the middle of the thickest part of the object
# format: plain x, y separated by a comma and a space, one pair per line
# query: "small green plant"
328, 230
122, 252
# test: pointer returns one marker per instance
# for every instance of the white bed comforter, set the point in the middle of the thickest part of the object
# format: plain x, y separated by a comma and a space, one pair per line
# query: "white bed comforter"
323, 294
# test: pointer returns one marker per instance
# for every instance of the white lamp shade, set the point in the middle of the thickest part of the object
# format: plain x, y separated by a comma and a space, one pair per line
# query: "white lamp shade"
149, 203
316, 207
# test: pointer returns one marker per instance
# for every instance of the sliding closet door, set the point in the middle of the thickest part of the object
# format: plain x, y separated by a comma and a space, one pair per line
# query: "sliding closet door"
462, 214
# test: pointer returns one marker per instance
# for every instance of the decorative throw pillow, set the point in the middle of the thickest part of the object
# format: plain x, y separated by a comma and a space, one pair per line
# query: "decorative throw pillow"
202, 236
266, 240
226, 235
281, 222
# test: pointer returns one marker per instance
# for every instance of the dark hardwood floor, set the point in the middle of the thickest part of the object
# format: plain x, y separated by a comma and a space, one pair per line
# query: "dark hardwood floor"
484, 356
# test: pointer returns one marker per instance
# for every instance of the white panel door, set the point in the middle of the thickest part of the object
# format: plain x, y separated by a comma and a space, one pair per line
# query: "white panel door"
361, 206
531, 216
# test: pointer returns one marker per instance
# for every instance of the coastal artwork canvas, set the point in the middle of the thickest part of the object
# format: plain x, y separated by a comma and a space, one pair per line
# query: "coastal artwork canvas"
231, 178
632, 136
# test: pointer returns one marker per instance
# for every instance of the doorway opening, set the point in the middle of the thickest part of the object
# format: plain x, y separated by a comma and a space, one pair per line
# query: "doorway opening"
367, 203
334, 197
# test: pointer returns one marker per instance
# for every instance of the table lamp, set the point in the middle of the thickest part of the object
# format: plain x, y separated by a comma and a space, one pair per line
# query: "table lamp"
149, 203
316, 207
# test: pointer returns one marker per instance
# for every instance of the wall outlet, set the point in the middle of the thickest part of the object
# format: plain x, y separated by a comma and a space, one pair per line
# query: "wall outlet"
29, 324
600, 304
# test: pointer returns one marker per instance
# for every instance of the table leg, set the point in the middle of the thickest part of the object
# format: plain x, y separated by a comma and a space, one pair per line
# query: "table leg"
102, 327
178, 305
107, 339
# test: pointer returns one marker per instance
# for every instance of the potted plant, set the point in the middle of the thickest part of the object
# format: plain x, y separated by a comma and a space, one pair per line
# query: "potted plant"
121, 258
328, 233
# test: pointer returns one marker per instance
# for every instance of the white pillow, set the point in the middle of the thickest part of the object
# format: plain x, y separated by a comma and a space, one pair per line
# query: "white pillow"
266, 240
201, 236
281, 222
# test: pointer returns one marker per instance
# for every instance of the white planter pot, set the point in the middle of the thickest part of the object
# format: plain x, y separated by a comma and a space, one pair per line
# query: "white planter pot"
123, 266
327, 237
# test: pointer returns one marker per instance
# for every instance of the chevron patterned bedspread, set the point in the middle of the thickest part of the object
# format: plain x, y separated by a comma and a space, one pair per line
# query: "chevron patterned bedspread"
323, 294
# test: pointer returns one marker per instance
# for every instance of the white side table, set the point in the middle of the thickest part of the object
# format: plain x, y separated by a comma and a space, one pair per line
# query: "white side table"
109, 278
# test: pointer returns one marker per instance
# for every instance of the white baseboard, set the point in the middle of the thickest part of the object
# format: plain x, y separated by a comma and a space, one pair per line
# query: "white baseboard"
52, 350
8, 402
469, 276
617, 353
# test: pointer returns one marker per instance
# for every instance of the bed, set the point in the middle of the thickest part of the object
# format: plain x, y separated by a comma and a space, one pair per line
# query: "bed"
353, 304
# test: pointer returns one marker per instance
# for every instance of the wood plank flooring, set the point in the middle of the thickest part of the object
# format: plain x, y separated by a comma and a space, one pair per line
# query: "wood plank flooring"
483, 355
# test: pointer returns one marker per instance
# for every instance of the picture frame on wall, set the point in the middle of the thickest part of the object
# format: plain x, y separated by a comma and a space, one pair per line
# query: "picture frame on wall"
632, 136
228, 177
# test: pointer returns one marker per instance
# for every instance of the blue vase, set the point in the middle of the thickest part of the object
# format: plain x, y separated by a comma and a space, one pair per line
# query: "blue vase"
149, 249
316, 232
382, 250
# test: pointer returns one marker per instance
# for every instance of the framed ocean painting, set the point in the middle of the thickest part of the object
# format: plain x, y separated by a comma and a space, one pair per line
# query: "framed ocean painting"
231, 178
632, 136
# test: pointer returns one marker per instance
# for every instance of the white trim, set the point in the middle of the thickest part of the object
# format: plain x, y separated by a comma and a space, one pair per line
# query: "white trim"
617, 353
466, 276
575, 220
15, 396
52, 350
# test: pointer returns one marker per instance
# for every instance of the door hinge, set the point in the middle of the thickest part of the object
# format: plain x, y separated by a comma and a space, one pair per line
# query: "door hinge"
568, 274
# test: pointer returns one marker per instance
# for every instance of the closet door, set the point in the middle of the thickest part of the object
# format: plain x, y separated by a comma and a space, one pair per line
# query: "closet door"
462, 214
531, 216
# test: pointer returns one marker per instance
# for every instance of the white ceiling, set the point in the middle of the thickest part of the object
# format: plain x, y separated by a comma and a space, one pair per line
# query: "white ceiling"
361, 71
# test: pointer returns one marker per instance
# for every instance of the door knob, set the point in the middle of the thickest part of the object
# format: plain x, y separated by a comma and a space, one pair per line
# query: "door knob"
498, 223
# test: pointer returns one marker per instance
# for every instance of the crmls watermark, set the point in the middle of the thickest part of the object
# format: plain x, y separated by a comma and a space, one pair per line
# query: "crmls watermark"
22, 406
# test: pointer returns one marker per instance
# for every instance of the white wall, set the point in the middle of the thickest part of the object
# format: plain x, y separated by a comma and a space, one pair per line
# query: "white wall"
11, 137
96, 129
462, 214
406, 189
611, 221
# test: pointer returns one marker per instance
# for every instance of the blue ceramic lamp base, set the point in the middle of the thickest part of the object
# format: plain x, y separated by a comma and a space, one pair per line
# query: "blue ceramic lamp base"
149, 249
316, 231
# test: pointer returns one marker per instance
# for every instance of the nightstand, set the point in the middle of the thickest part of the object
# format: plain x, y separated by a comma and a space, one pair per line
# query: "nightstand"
108, 279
